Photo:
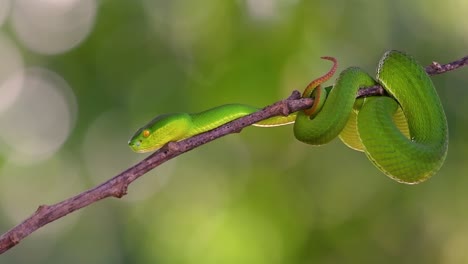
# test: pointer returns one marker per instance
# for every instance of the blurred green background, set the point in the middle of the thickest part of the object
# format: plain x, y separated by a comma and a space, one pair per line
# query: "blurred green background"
78, 77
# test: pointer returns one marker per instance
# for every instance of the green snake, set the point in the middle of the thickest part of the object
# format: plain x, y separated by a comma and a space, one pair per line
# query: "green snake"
404, 133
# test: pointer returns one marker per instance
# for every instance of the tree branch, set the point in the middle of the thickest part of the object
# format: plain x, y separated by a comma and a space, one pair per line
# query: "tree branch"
437, 68
117, 186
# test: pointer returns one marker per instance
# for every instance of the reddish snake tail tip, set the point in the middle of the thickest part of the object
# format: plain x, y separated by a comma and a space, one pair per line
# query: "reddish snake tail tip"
315, 83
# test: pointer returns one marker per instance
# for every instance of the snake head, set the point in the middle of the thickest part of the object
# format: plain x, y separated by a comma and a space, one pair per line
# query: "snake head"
160, 131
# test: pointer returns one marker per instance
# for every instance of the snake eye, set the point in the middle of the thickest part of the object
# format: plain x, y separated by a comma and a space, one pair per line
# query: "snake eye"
146, 133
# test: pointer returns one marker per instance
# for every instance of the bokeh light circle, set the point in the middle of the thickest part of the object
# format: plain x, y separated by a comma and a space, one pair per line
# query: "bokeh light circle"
53, 26
39, 121
10, 64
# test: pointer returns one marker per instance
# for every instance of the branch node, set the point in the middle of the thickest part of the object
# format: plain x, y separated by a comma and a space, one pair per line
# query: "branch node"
173, 147
14, 238
238, 129
122, 191
295, 95
283, 108
437, 66
41, 208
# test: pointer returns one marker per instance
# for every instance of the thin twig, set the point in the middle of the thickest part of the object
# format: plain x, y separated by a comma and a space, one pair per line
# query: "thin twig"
117, 186
437, 68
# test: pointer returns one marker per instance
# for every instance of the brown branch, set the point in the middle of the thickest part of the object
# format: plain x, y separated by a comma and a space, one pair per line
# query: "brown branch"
117, 186
437, 68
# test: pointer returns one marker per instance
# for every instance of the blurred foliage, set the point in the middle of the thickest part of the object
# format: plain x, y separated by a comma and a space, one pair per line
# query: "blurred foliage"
258, 196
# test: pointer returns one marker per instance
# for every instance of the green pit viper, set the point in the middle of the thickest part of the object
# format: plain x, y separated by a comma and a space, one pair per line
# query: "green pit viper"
404, 133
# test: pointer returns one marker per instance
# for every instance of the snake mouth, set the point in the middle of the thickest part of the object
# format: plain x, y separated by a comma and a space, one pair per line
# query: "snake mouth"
138, 149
